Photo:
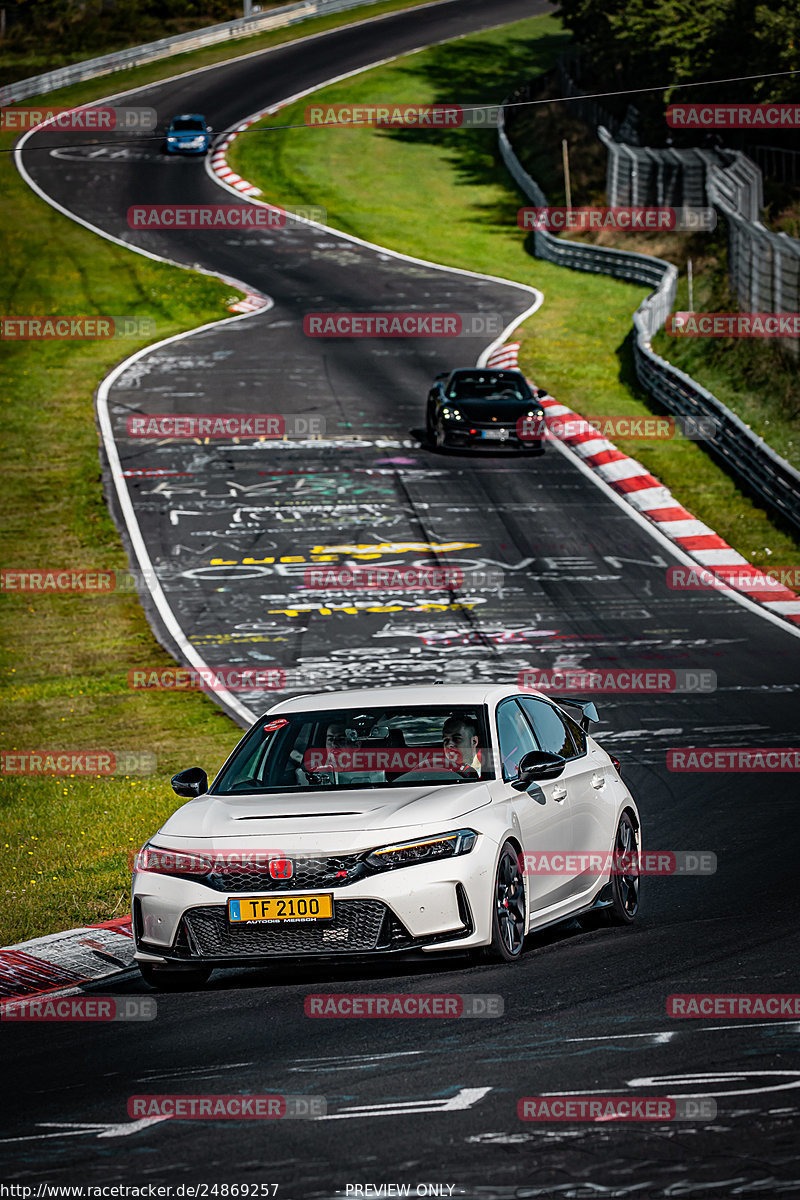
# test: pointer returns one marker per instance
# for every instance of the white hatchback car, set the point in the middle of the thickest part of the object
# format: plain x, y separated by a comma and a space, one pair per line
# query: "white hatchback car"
433, 818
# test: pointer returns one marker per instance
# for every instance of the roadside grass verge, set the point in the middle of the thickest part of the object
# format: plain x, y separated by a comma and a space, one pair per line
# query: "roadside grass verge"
65, 842
166, 67
33, 46
445, 195
65, 657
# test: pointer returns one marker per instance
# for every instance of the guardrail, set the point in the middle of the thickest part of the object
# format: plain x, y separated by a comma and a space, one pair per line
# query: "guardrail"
746, 455
764, 267
180, 43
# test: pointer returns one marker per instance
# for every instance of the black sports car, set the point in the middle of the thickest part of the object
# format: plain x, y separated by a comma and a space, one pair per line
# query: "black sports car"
485, 409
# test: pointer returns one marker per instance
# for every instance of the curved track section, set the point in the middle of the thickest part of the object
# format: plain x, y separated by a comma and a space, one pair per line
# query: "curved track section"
584, 583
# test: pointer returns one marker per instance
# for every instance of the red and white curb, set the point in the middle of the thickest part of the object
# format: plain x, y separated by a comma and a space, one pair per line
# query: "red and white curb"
219, 163
219, 166
648, 496
504, 358
251, 303
64, 962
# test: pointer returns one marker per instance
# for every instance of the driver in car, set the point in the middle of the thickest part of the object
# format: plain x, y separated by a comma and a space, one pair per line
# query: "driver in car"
460, 742
336, 739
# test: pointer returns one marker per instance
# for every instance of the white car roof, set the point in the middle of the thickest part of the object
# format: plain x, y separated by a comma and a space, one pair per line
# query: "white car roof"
396, 697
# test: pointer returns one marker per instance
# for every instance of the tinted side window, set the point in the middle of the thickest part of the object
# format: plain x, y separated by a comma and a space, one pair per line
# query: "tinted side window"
515, 737
550, 728
578, 735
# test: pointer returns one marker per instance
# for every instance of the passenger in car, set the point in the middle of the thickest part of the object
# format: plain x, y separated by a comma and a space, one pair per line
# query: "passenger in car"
460, 741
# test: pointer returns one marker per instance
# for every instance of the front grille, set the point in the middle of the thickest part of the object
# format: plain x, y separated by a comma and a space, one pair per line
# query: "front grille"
309, 874
359, 925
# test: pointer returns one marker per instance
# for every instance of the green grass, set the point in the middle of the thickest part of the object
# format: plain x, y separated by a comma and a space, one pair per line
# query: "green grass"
445, 195
175, 65
64, 658
36, 44
65, 843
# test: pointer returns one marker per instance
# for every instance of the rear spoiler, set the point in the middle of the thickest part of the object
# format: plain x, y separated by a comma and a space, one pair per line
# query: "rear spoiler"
586, 708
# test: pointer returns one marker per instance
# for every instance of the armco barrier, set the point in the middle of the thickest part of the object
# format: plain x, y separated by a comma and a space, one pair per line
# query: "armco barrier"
180, 43
747, 456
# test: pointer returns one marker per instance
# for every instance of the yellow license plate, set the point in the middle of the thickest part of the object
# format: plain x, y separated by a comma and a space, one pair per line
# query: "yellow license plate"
271, 909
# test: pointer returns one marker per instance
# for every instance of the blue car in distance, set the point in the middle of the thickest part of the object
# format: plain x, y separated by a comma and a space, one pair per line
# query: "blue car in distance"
188, 134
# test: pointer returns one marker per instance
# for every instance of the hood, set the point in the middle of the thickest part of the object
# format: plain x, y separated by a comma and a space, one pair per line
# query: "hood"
300, 814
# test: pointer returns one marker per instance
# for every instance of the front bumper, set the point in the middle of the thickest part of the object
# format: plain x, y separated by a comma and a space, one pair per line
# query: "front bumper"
177, 148
361, 927
508, 439
438, 905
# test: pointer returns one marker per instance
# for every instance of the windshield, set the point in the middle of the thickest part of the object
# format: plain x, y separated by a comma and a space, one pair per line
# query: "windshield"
188, 125
488, 385
341, 749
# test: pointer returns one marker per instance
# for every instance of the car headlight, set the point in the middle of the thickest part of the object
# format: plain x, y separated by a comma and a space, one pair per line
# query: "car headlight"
451, 414
171, 137
538, 413
159, 861
406, 854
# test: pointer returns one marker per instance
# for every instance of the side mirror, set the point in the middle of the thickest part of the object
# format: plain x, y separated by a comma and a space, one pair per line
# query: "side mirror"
190, 783
538, 764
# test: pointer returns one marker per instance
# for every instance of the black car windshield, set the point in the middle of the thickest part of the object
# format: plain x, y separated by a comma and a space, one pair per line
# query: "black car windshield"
344, 748
488, 385
188, 125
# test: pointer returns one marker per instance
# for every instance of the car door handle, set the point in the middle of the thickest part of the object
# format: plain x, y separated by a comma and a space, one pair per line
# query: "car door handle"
559, 793
598, 780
